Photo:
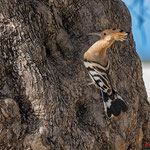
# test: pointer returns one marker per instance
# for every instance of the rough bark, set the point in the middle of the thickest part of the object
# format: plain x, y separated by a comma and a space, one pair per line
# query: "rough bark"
45, 102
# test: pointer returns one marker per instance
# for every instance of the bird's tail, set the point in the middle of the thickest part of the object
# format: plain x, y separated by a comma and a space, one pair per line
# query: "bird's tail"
114, 105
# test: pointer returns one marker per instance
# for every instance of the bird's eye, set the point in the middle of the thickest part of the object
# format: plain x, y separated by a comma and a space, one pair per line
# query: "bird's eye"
105, 34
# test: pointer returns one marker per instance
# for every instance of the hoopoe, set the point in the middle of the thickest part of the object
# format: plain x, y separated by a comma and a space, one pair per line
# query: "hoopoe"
97, 64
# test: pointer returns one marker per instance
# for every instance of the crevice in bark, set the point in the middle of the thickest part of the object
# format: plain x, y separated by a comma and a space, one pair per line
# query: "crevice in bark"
48, 52
129, 147
81, 112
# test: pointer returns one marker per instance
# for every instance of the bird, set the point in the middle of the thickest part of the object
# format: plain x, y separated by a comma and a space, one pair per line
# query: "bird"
98, 67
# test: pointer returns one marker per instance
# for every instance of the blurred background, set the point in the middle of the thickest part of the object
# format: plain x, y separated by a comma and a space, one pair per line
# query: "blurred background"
140, 13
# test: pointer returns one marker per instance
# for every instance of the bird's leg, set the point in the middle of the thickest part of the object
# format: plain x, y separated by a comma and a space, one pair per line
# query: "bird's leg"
91, 83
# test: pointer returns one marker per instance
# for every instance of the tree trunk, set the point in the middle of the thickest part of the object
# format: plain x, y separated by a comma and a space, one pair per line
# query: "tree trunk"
45, 100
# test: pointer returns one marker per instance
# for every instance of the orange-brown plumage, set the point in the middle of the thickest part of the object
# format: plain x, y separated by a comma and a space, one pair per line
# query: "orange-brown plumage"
97, 52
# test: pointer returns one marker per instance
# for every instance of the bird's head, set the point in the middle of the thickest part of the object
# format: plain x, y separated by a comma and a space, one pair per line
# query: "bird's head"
112, 35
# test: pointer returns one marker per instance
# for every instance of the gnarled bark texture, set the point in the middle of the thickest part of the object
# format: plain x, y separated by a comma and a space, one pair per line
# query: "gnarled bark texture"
45, 100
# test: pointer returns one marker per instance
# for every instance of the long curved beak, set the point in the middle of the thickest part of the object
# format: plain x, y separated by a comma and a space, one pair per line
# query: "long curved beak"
97, 34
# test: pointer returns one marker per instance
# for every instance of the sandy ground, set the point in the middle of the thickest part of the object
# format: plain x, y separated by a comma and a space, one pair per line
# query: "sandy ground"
146, 77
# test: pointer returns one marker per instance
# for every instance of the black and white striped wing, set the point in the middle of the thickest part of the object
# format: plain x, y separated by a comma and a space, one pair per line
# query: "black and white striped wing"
99, 75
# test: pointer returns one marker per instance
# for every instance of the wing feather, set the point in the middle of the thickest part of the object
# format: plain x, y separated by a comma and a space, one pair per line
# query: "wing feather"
99, 75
